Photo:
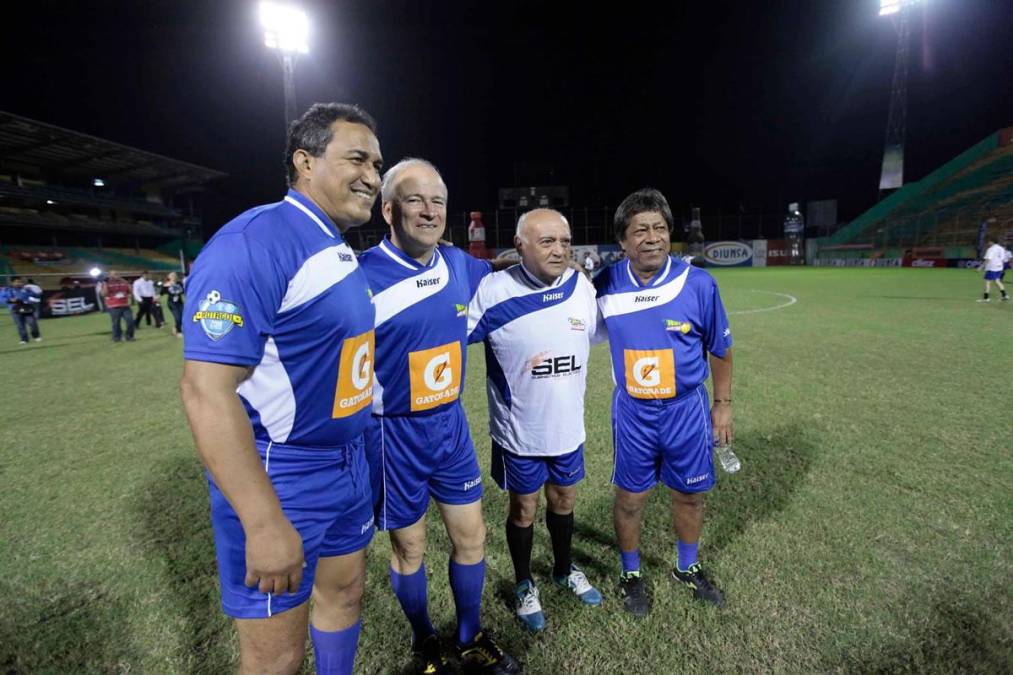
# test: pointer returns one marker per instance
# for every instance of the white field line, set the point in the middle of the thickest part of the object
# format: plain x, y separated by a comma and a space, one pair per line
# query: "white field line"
791, 301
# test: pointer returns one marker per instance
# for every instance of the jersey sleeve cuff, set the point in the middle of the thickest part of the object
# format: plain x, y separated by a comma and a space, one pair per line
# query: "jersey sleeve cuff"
224, 359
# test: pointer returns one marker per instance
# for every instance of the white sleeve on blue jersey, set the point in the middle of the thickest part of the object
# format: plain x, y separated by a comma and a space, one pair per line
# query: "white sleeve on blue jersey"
233, 295
477, 307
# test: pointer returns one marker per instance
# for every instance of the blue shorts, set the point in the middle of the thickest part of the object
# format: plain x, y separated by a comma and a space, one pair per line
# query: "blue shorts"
415, 457
992, 276
523, 475
666, 439
324, 493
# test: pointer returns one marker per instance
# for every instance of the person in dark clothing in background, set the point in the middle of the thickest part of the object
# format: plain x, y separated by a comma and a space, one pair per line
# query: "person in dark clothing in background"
174, 289
23, 304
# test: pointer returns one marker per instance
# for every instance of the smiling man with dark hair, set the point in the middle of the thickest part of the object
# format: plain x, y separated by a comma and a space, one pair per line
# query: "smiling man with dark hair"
665, 320
277, 380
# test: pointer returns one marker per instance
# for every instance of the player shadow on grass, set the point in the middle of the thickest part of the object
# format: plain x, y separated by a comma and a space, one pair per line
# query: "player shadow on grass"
175, 526
957, 635
774, 463
77, 626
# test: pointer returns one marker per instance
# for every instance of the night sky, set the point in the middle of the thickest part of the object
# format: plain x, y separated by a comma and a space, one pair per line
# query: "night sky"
719, 104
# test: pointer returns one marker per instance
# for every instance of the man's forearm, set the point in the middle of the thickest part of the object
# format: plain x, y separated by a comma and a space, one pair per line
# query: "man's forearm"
224, 440
721, 372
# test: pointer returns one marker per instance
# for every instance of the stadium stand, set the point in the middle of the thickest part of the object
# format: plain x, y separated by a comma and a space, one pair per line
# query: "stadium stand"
70, 201
943, 211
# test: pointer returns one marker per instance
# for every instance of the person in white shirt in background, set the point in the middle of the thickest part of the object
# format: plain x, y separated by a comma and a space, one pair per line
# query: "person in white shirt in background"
144, 294
35, 289
538, 319
995, 257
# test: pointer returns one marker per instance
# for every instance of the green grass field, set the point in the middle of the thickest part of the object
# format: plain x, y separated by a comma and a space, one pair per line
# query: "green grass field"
868, 531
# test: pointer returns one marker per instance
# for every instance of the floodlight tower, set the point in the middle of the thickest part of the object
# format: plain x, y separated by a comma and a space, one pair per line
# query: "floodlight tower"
892, 175
286, 29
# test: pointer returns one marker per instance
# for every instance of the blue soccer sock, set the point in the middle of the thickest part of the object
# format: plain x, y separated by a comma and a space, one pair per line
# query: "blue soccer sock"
335, 650
466, 583
410, 591
631, 560
687, 556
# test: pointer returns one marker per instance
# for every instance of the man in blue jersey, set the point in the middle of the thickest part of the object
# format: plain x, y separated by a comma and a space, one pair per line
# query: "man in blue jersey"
665, 321
277, 381
537, 320
418, 441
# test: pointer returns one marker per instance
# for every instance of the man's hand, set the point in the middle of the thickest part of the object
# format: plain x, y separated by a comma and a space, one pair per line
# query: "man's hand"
721, 420
274, 557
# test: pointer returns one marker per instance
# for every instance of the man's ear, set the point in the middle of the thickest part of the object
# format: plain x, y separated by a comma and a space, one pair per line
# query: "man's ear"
387, 211
303, 162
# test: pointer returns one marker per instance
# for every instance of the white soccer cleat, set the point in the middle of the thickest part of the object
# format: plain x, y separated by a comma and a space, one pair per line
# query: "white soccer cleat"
529, 609
577, 582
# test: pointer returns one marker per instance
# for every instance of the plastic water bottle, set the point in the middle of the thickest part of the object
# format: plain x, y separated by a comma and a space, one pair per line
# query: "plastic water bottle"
729, 461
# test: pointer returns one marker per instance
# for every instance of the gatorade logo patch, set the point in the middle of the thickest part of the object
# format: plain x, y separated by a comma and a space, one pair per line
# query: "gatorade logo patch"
355, 375
650, 373
435, 376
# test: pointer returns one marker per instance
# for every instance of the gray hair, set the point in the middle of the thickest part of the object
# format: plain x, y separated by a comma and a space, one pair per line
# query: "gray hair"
390, 178
519, 233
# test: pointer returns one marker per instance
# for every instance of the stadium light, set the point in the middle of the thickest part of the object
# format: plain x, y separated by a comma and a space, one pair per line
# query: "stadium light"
887, 7
286, 29
94, 271
98, 182
50, 202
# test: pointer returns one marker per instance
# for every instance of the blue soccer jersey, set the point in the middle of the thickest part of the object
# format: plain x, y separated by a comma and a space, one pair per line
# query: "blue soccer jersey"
277, 289
661, 332
421, 325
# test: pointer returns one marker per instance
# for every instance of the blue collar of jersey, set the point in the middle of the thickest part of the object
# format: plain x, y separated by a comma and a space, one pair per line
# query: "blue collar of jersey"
313, 212
655, 280
538, 283
399, 256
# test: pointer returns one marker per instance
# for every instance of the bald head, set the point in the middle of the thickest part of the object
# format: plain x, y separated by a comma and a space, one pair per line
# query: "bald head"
543, 242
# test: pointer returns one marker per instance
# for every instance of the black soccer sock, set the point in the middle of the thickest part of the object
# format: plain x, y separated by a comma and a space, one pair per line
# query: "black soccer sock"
519, 541
985, 295
561, 532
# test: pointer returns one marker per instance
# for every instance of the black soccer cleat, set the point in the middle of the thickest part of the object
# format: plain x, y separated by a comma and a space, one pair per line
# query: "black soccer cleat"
484, 655
634, 593
429, 659
703, 589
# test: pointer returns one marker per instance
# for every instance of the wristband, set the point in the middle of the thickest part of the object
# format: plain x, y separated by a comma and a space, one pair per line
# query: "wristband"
722, 400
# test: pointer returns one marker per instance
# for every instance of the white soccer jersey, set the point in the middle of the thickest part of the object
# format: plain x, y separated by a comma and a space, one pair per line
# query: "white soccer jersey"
537, 341
994, 258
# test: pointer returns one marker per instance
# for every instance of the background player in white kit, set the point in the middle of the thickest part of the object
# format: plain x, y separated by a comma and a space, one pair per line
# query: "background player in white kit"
995, 258
537, 320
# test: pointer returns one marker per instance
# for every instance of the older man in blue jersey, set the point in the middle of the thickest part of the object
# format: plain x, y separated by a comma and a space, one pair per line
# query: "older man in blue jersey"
537, 319
277, 381
665, 322
418, 442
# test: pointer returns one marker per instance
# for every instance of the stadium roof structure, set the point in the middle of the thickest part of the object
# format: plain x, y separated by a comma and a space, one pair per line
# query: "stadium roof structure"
976, 184
28, 144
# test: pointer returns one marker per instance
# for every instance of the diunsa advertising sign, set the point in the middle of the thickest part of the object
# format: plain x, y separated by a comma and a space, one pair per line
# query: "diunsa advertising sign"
727, 253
